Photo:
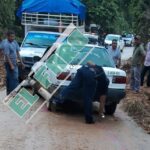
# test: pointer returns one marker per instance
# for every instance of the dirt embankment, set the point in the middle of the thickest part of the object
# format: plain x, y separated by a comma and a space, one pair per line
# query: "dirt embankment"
138, 106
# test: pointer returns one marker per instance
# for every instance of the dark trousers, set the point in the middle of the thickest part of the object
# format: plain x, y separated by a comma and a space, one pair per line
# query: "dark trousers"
85, 78
11, 78
143, 73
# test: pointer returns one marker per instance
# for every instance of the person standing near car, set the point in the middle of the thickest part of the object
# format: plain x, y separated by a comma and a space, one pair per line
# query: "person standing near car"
11, 52
115, 53
146, 67
92, 79
136, 64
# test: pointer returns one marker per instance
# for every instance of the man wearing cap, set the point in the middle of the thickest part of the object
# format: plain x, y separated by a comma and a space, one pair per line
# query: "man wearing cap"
136, 64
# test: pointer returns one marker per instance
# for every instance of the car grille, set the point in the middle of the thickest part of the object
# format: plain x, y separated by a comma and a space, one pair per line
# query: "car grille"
28, 61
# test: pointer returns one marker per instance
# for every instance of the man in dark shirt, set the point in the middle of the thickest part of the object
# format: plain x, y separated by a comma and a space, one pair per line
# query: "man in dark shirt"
136, 64
92, 79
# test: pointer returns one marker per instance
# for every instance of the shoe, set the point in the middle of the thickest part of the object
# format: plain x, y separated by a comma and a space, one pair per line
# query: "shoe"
102, 116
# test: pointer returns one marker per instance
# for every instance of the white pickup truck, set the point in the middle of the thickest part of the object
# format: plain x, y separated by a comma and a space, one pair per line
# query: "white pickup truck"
33, 47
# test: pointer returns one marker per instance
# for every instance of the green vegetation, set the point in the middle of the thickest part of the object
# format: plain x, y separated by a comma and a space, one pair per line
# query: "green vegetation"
117, 16
113, 16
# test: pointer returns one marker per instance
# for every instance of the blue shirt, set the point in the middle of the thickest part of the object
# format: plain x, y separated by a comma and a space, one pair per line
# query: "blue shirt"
10, 49
115, 54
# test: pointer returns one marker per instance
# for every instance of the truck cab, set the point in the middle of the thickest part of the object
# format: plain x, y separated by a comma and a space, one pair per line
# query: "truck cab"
41, 31
34, 46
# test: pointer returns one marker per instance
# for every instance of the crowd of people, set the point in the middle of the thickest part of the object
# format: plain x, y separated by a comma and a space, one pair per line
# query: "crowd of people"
90, 77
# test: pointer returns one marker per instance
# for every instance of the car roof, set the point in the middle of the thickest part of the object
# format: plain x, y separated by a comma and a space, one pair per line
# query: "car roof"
90, 35
117, 35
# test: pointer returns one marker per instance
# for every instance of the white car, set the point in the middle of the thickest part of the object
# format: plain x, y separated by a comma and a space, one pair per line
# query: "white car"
110, 37
93, 38
128, 39
99, 56
35, 44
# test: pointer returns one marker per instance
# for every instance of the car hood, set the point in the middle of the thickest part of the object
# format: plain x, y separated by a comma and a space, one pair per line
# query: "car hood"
108, 41
31, 52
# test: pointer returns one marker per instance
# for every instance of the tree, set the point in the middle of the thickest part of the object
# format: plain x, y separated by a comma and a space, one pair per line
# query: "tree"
141, 17
7, 9
105, 13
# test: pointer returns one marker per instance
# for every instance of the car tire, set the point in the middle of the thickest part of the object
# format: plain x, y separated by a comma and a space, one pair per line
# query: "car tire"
110, 109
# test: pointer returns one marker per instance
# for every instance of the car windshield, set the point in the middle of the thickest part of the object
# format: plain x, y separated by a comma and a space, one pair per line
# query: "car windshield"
111, 37
40, 40
99, 56
129, 35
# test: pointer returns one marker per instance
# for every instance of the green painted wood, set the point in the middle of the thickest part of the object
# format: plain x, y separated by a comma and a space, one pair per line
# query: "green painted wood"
22, 102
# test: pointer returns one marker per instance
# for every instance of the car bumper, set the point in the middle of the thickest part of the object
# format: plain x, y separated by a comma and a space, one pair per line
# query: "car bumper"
114, 95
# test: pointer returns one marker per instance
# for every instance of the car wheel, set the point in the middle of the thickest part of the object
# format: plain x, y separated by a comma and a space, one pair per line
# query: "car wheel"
53, 106
110, 109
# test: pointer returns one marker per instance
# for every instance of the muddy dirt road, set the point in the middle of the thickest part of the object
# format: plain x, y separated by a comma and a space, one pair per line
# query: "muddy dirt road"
60, 131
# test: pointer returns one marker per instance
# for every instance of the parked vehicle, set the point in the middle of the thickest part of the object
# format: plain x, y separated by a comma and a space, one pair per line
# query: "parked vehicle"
94, 28
110, 37
36, 43
93, 38
99, 56
128, 39
41, 31
33, 47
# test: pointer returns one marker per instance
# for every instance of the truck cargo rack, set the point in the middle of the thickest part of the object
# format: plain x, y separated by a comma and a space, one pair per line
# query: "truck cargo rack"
51, 20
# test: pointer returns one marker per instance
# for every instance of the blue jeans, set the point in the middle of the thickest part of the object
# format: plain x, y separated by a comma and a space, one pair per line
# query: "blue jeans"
11, 78
135, 78
85, 78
